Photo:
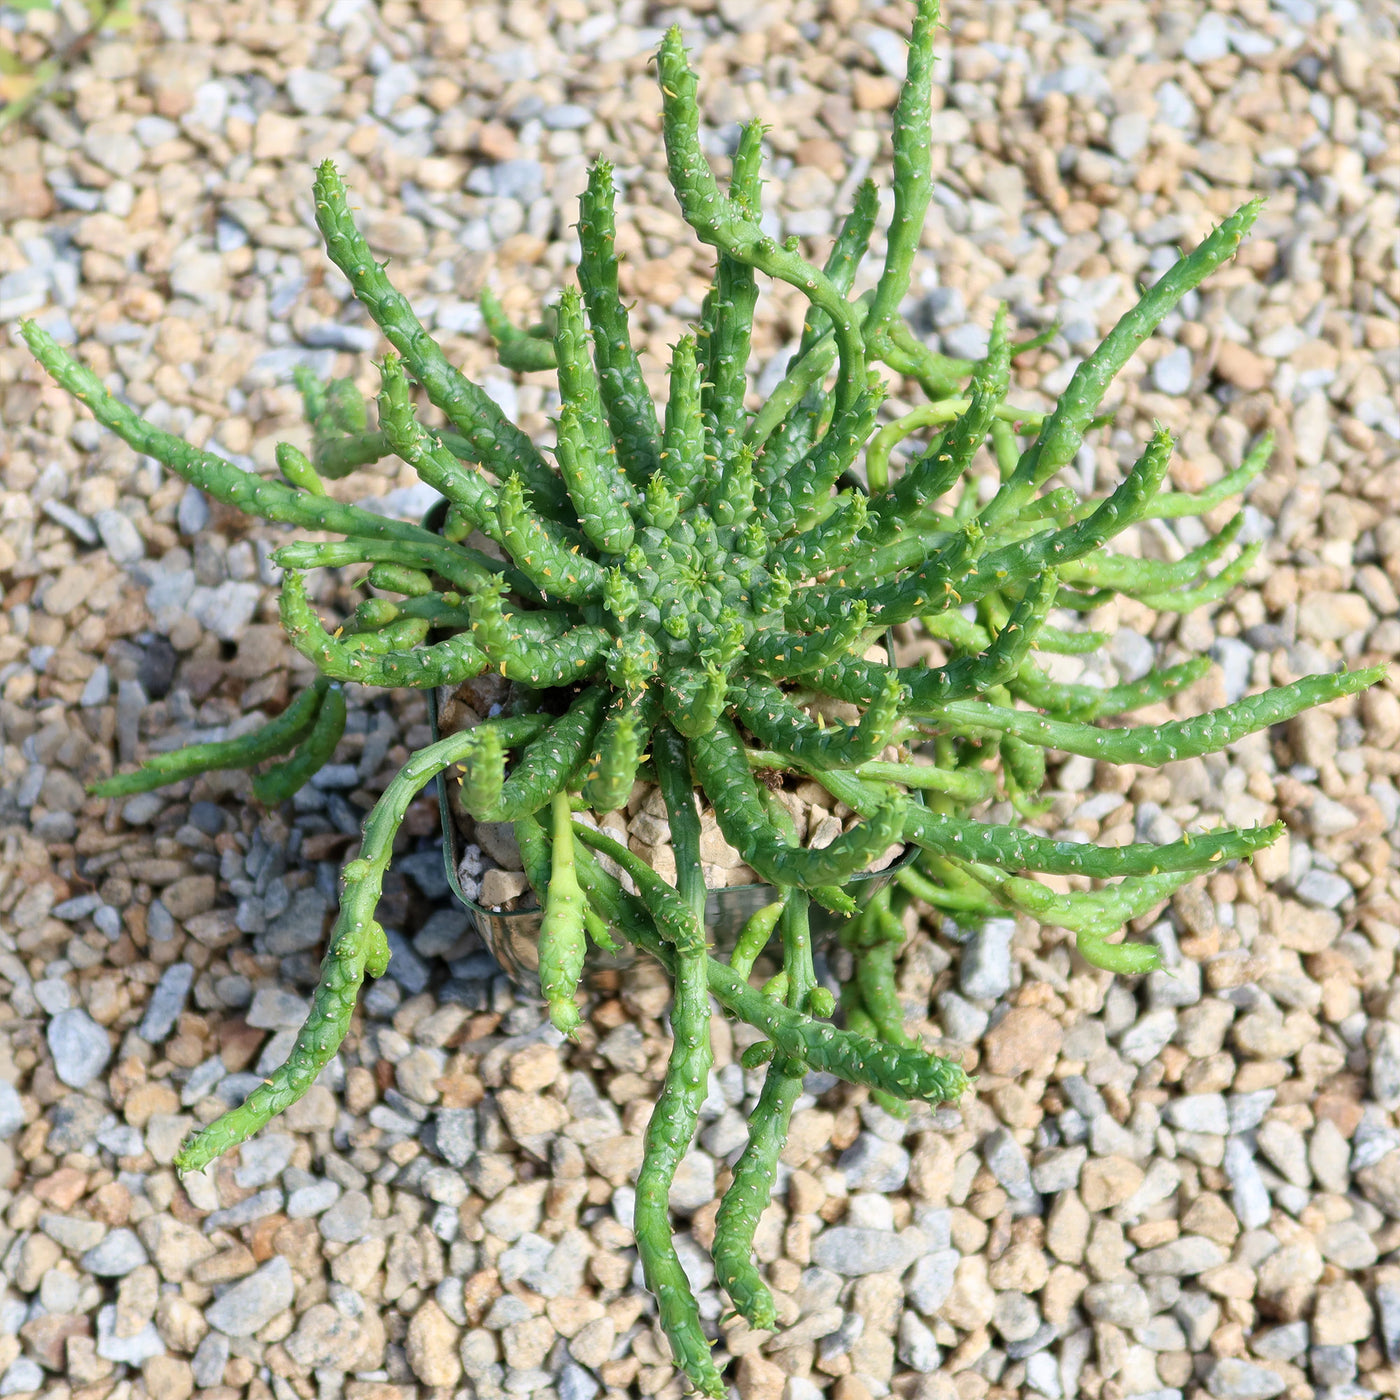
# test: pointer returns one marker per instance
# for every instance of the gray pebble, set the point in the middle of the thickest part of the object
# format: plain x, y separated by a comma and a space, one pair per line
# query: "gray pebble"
209, 1360
566, 116
255, 1207
932, 1280
962, 1021
22, 1376
1171, 374
263, 1159
131, 1351
1324, 889
77, 525
307, 1201
1209, 41
985, 973
116, 1256
1385, 1066
441, 932
1231, 1378
872, 1164
917, 1347
348, 1219
97, 689
575, 1383
1058, 1169
166, 1003
853, 1252
1198, 1113
1248, 1194
11, 1110
122, 539
1148, 1037
76, 1121
1191, 1254
53, 994
251, 1303
138, 810
1247, 1110
1333, 1365
1120, 1301
1043, 1375
300, 926
1006, 1160
1015, 1316
966, 342
694, 1181
192, 515
405, 966
160, 923
80, 1047
1280, 1343
275, 1010
359, 340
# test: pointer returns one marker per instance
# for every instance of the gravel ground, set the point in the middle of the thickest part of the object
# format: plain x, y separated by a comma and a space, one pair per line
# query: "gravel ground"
1184, 1185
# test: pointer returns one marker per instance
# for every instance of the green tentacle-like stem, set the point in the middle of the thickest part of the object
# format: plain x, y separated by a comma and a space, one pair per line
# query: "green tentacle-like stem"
277, 736
356, 948
254, 495
1154, 745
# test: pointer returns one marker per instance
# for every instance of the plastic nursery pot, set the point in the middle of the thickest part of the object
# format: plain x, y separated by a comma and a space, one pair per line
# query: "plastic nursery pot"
512, 936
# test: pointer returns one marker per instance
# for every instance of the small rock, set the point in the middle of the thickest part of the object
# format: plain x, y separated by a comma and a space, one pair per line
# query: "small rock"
871, 1164
80, 1047
166, 1003
1231, 1378
210, 1358
853, 1252
117, 1255
431, 1346
122, 539
759, 1379
1248, 1194
11, 1110
1171, 374
1026, 1039
932, 1280
1191, 1254
252, 1302
347, 1220
985, 973
1198, 1113
275, 1010
132, 1351
300, 926
1341, 1314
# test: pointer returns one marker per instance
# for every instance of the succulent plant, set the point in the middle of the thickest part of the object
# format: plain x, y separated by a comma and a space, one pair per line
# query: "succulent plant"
671, 593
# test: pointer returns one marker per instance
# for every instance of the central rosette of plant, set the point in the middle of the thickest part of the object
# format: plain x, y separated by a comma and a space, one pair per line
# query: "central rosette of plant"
677, 597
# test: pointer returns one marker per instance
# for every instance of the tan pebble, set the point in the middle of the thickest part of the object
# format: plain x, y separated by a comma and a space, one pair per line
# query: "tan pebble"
1108, 1181
168, 1378
593, 1343
431, 1346
148, 1099
1026, 1039
530, 1115
498, 887
760, 1379
1242, 367
1341, 1314
533, 1068
526, 1344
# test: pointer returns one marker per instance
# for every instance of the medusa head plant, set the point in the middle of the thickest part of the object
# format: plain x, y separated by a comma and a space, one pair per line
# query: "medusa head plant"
671, 593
